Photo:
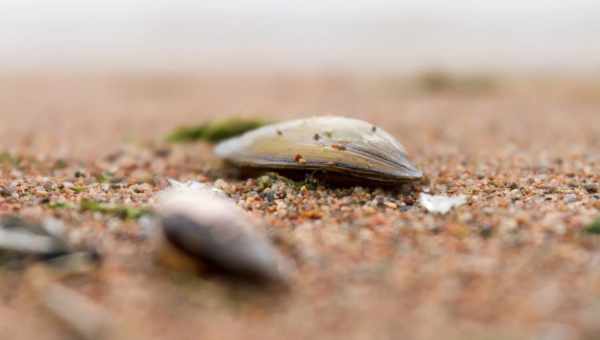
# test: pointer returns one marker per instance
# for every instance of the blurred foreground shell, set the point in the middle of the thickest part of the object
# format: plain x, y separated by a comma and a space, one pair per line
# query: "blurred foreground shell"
24, 242
332, 144
210, 231
21, 239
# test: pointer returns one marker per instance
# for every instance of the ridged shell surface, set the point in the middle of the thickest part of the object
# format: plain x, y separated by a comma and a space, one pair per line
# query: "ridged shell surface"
330, 143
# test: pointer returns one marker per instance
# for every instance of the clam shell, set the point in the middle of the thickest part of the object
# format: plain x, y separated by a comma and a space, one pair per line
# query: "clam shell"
334, 144
213, 232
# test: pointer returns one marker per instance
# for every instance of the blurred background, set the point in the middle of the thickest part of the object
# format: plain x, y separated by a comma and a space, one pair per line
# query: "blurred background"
363, 35
75, 75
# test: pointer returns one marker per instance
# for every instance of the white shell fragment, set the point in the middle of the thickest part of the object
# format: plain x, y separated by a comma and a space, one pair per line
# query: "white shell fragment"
195, 186
441, 204
216, 233
335, 144
192, 185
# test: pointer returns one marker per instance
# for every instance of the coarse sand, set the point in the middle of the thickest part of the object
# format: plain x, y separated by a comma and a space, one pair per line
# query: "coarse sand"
512, 263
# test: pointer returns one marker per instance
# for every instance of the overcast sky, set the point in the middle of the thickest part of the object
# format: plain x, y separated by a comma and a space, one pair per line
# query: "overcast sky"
358, 34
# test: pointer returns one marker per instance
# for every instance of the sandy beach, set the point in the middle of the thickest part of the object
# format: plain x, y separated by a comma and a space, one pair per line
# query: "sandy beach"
514, 262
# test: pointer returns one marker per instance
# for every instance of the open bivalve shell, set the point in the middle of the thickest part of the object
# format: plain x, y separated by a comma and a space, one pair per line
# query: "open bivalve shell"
331, 144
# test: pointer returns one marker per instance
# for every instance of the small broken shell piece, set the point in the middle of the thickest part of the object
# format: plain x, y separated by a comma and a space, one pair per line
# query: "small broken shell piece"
196, 186
334, 144
213, 232
441, 204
